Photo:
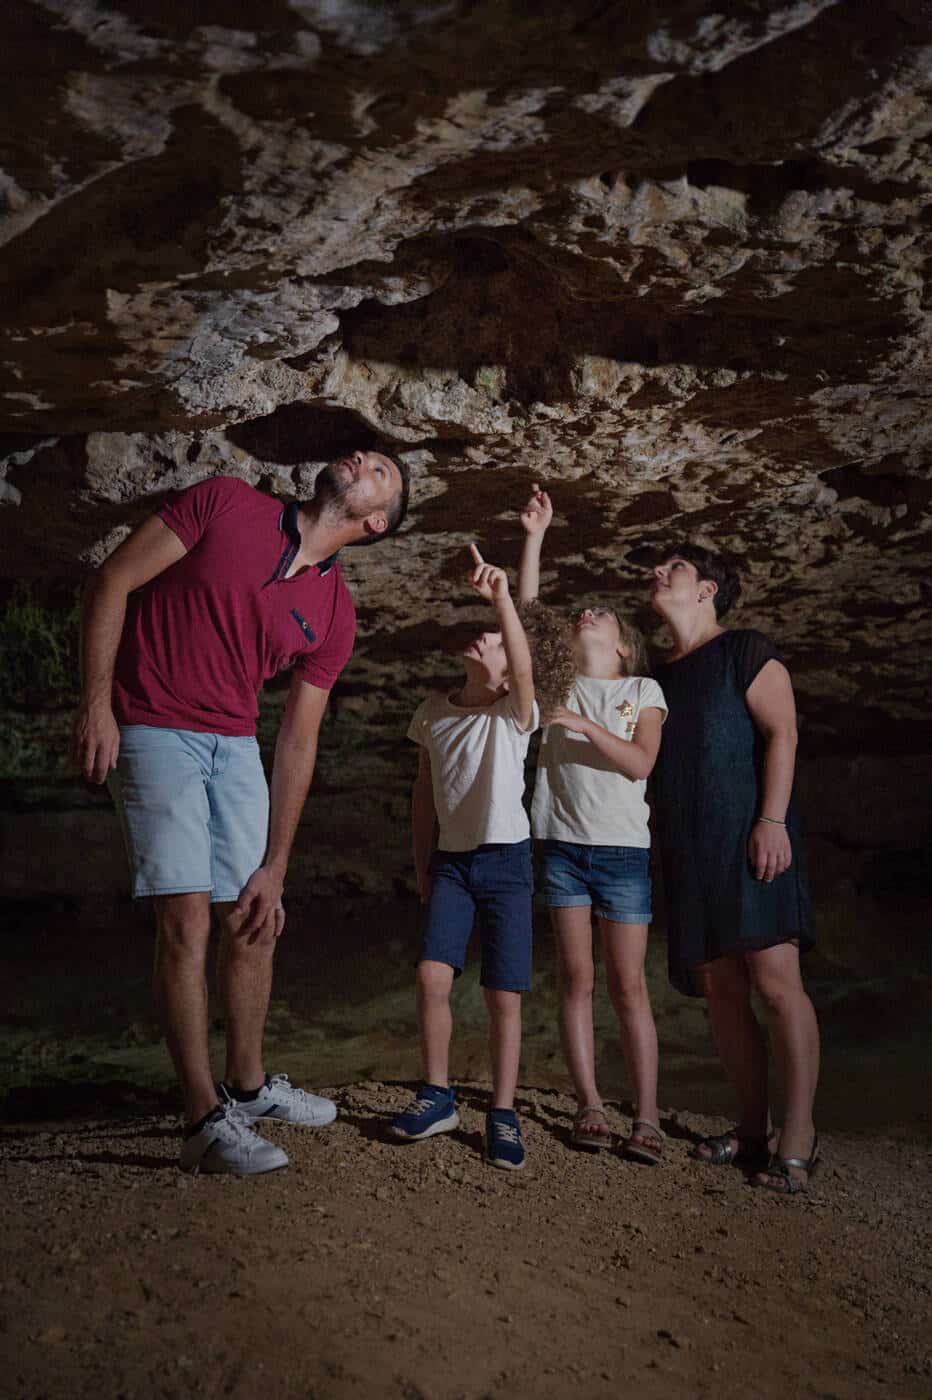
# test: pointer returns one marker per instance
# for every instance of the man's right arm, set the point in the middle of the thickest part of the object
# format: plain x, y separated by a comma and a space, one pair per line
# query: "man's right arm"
148, 551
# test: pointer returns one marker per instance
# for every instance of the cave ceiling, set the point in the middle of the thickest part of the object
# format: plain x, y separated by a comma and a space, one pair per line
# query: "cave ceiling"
664, 256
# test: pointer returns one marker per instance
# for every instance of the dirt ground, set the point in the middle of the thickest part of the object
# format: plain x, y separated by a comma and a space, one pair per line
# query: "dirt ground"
375, 1269
370, 1268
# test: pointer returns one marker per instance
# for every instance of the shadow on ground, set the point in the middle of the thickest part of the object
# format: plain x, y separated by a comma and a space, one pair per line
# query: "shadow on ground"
80, 1039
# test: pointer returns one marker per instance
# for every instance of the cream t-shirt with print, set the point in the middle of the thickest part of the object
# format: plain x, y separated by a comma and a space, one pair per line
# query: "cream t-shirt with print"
477, 756
579, 796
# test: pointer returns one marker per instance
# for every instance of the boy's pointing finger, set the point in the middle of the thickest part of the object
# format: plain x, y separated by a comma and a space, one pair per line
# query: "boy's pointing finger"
476, 556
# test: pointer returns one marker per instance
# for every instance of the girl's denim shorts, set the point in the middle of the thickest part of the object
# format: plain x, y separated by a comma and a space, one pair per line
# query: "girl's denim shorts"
612, 879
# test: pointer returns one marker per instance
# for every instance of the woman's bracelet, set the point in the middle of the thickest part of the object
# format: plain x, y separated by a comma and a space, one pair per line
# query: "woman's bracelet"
771, 821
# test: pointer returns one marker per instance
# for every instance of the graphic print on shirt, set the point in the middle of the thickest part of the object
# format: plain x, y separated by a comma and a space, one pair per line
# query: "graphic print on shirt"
626, 710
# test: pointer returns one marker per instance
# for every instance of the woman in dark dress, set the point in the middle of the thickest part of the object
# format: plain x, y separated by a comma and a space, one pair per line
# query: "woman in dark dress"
737, 902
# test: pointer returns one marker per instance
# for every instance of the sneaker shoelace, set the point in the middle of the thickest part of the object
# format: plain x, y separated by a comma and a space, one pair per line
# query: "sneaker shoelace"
283, 1084
234, 1127
508, 1132
420, 1106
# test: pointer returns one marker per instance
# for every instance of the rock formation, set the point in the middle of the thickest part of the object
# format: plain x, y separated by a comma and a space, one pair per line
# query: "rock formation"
665, 256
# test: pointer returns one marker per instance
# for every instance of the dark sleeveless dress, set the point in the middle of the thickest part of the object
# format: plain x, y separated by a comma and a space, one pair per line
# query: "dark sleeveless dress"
707, 795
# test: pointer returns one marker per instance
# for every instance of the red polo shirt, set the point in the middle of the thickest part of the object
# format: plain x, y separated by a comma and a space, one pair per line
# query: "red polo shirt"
201, 638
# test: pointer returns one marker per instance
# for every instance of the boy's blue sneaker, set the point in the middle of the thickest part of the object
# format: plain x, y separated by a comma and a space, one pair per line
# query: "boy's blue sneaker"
433, 1111
503, 1145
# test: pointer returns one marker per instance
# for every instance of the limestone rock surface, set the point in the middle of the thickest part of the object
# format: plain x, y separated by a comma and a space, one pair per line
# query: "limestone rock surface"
666, 257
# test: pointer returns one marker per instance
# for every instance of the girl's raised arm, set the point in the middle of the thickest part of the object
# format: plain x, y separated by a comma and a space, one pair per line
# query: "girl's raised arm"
535, 519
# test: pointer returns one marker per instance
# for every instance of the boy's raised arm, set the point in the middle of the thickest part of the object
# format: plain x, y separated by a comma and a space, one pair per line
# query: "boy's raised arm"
535, 519
492, 583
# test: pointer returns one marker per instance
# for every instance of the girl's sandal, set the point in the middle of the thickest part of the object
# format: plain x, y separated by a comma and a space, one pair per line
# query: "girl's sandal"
590, 1138
645, 1143
725, 1149
778, 1177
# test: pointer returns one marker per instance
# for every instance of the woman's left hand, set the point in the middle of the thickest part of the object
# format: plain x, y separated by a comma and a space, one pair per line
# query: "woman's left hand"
769, 851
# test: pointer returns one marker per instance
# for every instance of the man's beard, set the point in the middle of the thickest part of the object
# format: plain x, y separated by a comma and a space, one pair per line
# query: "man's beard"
332, 493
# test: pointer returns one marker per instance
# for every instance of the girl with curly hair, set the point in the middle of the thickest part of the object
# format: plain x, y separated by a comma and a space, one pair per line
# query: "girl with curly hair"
590, 821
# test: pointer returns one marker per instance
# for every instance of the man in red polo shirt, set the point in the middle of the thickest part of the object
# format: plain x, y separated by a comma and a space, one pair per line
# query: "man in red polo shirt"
218, 591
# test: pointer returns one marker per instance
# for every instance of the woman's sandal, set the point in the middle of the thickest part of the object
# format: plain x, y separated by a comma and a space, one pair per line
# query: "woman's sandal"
780, 1179
592, 1139
729, 1148
645, 1143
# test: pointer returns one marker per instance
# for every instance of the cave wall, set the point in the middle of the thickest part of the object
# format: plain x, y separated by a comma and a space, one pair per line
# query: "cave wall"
666, 258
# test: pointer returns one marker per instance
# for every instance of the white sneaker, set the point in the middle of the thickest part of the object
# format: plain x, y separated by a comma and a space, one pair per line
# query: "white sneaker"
226, 1143
279, 1099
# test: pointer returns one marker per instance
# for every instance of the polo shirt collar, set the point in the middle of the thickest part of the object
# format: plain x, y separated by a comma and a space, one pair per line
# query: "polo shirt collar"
288, 523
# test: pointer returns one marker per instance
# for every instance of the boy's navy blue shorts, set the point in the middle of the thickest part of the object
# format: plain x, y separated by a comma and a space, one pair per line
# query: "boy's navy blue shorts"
493, 886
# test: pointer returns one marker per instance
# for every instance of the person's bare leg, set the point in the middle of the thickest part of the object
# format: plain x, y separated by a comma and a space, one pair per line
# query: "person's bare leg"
794, 1032
244, 977
576, 978
182, 931
740, 1042
504, 1044
623, 949
435, 1020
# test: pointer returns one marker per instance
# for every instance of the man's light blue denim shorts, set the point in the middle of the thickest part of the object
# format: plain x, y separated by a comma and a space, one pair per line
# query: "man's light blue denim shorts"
194, 810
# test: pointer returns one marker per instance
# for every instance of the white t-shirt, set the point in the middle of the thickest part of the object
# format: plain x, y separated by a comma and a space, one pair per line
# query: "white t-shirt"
579, 796
477, 756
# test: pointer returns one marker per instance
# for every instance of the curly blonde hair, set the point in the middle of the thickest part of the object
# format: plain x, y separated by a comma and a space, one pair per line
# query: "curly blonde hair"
550, 641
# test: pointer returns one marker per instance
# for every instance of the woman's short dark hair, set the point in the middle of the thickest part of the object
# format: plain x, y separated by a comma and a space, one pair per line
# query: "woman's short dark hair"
398, 509
716, 569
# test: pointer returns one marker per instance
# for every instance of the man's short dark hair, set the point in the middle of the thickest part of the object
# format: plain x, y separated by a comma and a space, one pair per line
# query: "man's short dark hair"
716, 569
398, 509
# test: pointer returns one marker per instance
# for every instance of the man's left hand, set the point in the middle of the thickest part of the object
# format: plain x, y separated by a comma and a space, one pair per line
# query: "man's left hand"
260, 904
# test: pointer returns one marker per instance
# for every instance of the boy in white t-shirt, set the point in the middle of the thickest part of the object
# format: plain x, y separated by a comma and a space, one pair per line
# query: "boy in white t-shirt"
589, 819
470, 782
